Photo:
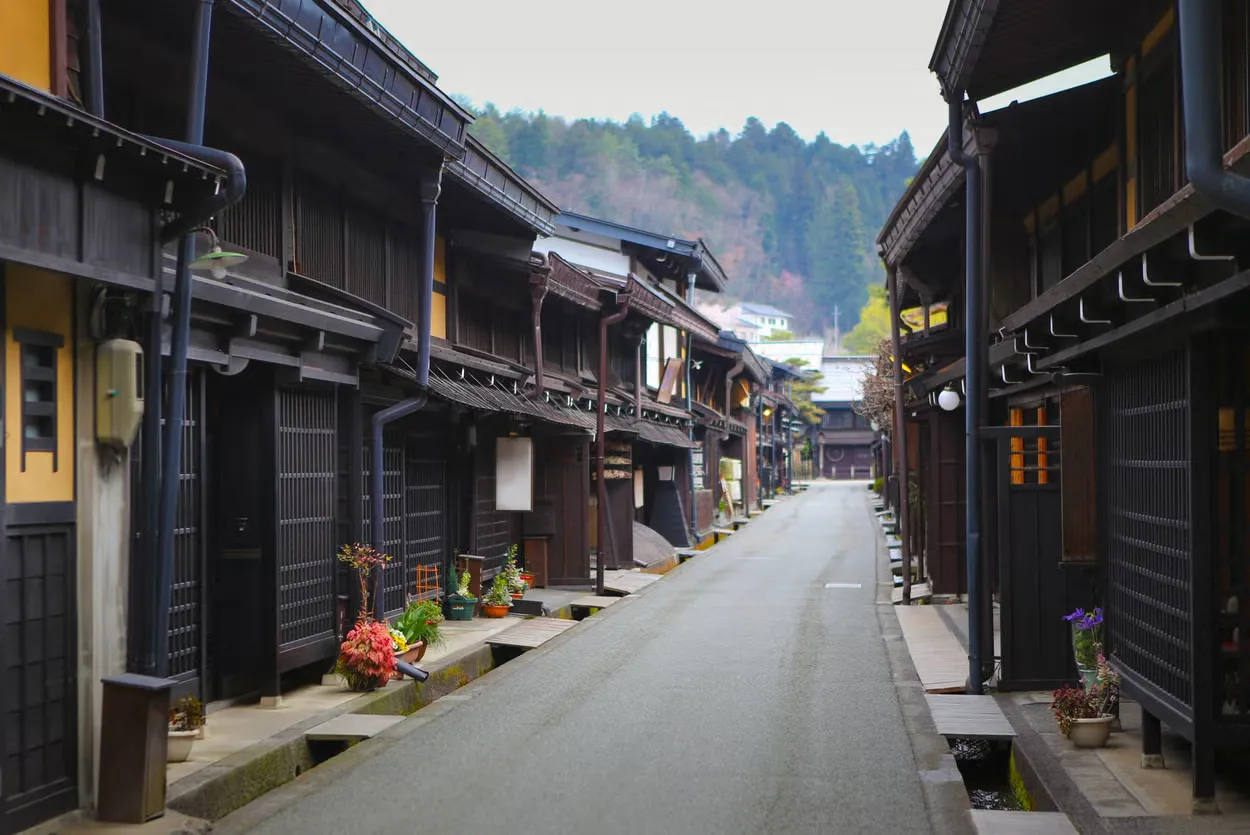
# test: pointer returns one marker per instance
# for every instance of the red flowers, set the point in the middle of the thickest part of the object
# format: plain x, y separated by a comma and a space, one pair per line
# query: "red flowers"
367, 657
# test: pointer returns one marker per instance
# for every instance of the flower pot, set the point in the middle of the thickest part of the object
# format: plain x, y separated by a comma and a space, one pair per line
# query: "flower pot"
1091, 733
365, 684
517, 595
180, 743
411, 655
495, 611
460, 608
528, 579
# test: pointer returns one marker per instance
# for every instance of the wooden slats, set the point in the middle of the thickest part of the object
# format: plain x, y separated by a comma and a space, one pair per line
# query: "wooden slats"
940, 661
627, 582
969, 717
531, 633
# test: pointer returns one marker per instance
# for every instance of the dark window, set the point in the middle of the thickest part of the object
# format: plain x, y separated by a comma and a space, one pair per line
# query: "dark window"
319, 233
1050, 247
255, 222
1104, 221
39, 383
1236, 72
1156, 122
1075, 235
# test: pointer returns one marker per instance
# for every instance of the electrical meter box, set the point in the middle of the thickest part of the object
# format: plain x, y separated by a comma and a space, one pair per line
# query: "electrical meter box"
118, 392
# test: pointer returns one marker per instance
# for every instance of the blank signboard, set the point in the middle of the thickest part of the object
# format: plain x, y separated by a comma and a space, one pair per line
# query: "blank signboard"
514, 474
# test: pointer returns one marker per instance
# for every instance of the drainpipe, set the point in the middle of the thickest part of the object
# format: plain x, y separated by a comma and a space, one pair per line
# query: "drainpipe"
169, 461
729, 384
605, 320
431, 186
1201, 74
900, 431
538, 292
975, 363
691, 277
638, 381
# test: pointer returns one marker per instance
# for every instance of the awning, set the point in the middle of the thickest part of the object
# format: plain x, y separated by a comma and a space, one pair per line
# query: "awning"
658, 433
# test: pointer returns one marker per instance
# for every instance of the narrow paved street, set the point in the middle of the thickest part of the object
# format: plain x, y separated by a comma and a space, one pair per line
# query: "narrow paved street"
740, 695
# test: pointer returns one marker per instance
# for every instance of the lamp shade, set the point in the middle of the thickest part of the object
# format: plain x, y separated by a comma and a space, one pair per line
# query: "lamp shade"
948, 400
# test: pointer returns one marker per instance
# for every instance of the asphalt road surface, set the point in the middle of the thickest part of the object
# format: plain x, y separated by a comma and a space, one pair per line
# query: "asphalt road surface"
739, 695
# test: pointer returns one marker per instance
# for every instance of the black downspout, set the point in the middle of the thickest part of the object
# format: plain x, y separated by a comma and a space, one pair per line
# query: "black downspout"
974, 372
431, 186
1201, 74
95, 60
601, 407
170, 458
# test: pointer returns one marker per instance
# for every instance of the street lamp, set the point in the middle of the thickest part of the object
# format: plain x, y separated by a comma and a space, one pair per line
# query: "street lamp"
876, 427
948, 400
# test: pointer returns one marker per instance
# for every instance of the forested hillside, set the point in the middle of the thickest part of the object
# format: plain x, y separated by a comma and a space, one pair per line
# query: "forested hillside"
792, 222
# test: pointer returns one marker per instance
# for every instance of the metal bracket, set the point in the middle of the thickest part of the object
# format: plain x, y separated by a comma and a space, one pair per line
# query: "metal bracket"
1028, 361
1089, 321
1124, 298
1060, 335
1031, 347
1195, 255
1145, 275
1003, 369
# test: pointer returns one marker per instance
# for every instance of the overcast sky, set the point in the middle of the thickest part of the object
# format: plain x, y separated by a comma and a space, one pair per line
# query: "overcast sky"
856, 70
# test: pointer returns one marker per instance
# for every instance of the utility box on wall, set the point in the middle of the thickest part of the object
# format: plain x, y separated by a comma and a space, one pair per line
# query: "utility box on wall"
119, 392
514, 474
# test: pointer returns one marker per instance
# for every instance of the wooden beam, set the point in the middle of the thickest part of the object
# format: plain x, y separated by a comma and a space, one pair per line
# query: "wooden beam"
1198, 300
1169, 218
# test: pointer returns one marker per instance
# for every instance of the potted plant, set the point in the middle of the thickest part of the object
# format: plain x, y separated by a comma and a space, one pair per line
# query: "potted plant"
1085, 716
367, 658
1086, 643
186, 724
516, 585
460, 604
418, 630
497, 601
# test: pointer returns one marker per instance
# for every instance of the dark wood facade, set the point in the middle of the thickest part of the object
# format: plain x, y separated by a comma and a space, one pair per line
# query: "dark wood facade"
1116, 289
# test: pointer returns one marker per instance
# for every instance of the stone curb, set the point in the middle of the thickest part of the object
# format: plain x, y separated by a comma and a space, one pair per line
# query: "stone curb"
940, 780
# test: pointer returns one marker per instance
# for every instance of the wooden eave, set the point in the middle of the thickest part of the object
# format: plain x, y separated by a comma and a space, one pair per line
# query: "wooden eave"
933, 187
571, 283
492, 179
338, 39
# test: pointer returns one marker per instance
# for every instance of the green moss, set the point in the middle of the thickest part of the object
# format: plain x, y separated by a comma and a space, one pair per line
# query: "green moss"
1018, 788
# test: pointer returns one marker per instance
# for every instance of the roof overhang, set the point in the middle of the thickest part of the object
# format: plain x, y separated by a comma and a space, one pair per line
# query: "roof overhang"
987, 47
492, 179
709, 275
340, 40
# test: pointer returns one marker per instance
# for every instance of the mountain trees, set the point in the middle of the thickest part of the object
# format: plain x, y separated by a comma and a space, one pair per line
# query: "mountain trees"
793, 222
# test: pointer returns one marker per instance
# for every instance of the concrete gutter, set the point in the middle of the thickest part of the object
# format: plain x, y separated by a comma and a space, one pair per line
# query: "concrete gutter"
219, 789
945, 795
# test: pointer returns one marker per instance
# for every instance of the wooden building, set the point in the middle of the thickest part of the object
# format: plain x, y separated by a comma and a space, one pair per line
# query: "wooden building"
843, 440
1113, 230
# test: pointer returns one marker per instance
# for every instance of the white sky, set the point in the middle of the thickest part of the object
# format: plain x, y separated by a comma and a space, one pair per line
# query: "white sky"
856, 70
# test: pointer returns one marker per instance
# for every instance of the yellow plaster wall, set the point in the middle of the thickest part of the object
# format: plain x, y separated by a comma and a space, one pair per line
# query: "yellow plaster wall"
44, 301
438, 311
26, 42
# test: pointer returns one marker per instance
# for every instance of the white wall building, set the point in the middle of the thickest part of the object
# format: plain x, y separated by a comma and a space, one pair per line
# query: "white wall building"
767, 318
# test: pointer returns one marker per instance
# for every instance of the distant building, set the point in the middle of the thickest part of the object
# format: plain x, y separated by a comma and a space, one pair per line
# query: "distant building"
844, 438
811, 351
767, 318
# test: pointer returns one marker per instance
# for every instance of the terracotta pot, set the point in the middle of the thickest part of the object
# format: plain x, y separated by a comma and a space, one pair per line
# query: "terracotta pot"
179, 747
495, 611
1091, 733
414, 653
528, 579
517, 595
